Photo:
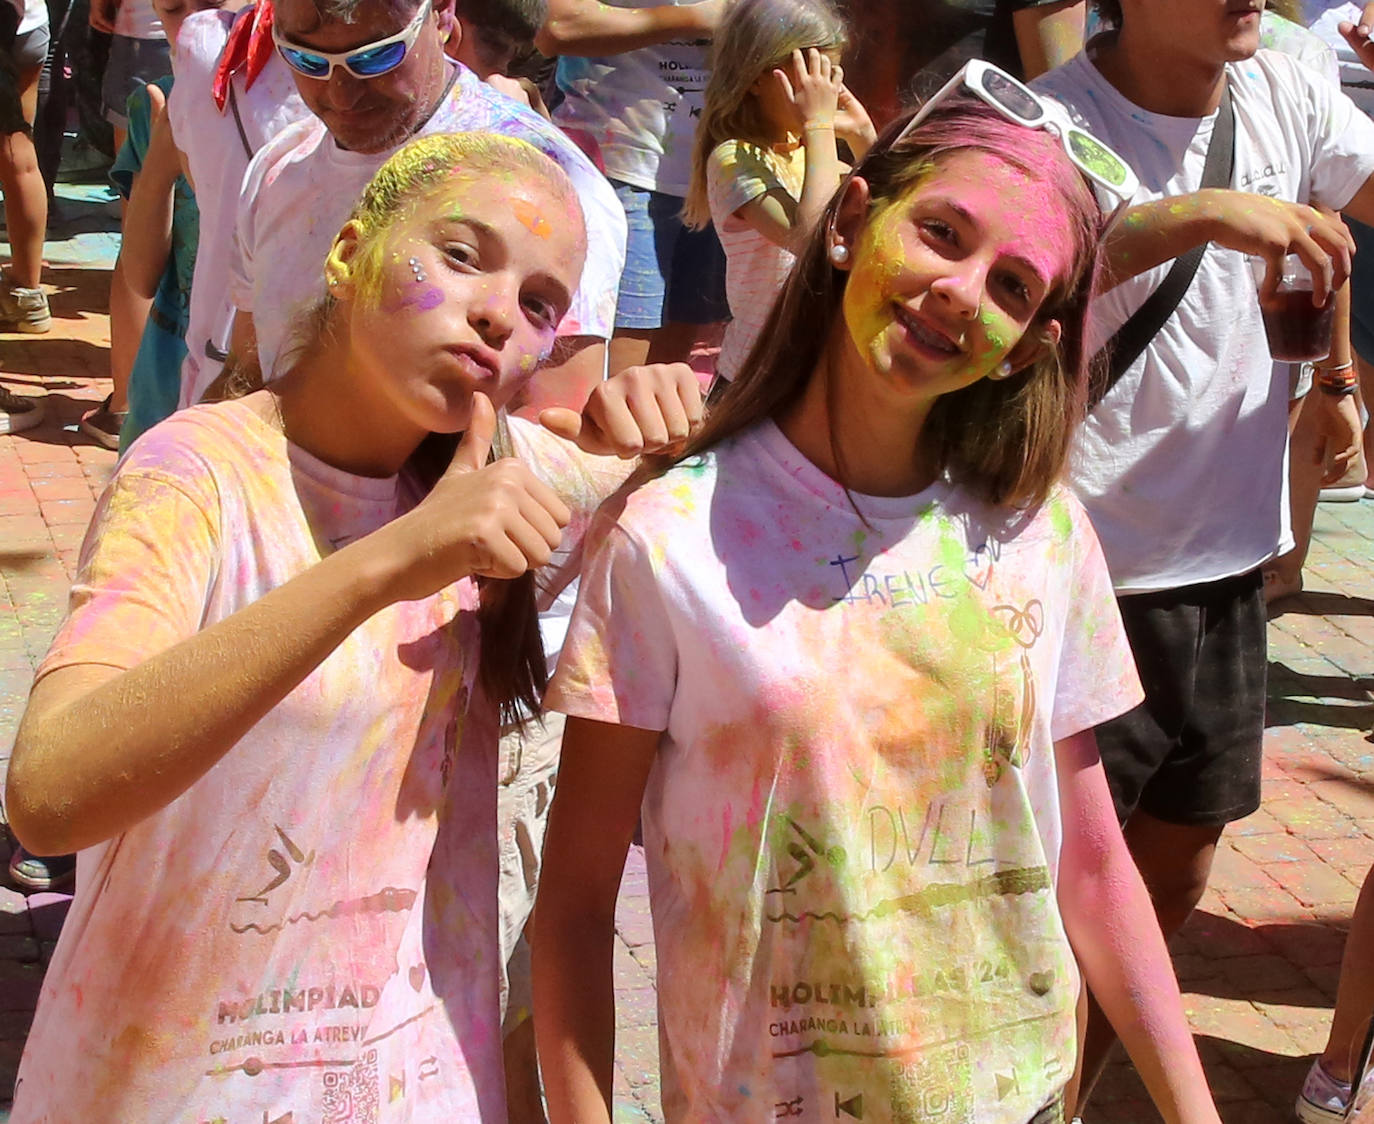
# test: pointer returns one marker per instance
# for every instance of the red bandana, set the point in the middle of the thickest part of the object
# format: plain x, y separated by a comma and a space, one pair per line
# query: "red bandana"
248, 49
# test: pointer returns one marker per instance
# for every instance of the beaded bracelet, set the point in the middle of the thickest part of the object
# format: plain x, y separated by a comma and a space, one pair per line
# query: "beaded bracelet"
1339, 381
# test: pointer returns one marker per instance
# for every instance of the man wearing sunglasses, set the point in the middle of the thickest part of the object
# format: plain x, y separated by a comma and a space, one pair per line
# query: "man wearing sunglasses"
1181, 464
374, 74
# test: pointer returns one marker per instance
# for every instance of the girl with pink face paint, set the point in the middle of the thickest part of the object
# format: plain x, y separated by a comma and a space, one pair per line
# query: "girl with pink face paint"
844, 656
269, 722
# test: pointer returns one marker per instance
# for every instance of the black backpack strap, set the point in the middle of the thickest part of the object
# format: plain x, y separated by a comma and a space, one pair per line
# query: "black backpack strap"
1135, 335
243, 136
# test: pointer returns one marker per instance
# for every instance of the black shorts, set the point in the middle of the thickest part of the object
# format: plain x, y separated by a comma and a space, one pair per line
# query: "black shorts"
1190, 753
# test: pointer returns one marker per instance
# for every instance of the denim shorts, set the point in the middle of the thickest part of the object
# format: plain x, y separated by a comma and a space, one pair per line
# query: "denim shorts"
133, 63
1362, 291
11, 109
671, 273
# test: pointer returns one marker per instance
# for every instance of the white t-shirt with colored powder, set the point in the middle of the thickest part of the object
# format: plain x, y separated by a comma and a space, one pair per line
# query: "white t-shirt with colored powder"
1181, 466
755, 266
639, 108
852, 824
217, 156
310, 929
300, 189
313, 923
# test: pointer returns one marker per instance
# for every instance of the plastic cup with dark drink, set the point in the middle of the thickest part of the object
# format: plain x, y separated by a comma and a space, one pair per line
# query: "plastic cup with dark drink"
1298, 330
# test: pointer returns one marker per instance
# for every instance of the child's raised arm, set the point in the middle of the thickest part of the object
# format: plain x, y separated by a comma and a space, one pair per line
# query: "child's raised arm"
600, 787
588, 27
1116, 939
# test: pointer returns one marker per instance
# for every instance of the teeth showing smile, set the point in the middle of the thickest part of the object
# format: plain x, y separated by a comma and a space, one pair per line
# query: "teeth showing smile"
925, 336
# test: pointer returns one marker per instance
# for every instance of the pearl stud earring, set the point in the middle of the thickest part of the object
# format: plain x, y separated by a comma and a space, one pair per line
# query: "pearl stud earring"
1003, 370
839, 254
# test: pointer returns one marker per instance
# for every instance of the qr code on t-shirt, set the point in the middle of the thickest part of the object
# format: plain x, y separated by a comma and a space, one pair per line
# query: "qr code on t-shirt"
353, 1096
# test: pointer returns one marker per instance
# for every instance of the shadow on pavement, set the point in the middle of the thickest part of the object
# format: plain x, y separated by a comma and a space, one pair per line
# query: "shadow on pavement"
1301, 697
1321, 604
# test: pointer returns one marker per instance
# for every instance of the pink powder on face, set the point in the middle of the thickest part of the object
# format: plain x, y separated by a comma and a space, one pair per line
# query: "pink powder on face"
1039, 227
429, 297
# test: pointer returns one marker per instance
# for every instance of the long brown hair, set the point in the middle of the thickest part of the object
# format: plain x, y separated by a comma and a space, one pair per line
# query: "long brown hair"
1006, 440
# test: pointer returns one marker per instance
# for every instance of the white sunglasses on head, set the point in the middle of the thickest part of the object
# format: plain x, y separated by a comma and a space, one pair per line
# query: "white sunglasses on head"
1016, 102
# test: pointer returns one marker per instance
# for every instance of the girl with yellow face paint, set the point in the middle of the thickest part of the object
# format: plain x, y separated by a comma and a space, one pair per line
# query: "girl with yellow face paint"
843, 658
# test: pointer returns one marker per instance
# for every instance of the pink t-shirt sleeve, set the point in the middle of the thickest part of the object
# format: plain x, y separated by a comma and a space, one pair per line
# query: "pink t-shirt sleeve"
619, 663
144, 573
1097, 677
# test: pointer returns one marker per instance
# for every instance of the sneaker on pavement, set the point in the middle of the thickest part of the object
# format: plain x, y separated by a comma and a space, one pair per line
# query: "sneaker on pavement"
42, 872
102, 424
1323, 1099
23, 310
18, 413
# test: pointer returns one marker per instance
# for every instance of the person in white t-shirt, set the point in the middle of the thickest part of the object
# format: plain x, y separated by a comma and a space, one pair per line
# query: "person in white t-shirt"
632, 74
222, 110
844, 655
1181, 465
300, 187
286, 887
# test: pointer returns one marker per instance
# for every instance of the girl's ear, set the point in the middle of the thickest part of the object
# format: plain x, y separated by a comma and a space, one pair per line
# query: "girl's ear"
851, 216
338, 266
1039, 339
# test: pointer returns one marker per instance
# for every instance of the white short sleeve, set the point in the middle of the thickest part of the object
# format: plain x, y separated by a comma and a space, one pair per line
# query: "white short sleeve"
1343, 136
241, 267
1097, 678
619, 662
737, 174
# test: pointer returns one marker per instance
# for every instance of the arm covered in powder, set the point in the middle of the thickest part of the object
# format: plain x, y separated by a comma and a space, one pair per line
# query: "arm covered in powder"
1152, 233
591, 28
101, 748
1111, 925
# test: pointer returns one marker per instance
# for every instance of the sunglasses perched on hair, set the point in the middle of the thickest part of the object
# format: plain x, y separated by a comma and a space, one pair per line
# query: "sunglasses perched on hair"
1016, 102
368, 61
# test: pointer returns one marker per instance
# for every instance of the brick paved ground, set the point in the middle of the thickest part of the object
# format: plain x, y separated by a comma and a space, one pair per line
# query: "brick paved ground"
1258, 962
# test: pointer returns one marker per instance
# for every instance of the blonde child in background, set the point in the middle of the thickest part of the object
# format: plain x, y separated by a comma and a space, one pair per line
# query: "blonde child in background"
766, 161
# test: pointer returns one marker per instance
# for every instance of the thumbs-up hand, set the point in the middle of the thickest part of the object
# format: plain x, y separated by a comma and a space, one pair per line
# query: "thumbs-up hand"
639, 410
480, 520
